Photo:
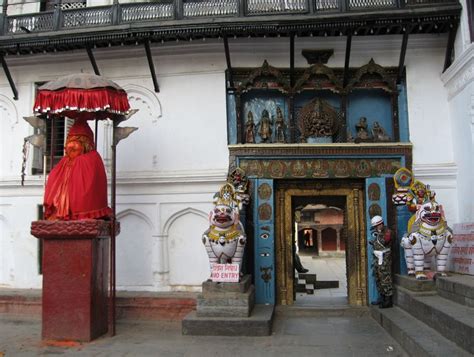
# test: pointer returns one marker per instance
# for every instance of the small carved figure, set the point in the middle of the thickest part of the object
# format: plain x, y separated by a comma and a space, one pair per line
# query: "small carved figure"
265, 127
279, 127
361, 129
378, 132
381, 242
250, 129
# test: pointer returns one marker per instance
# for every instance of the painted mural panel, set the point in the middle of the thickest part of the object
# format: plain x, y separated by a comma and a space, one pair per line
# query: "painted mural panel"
319, 168
375, 195
264, 241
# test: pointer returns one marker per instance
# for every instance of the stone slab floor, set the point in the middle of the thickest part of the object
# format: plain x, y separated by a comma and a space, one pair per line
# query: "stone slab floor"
292, 336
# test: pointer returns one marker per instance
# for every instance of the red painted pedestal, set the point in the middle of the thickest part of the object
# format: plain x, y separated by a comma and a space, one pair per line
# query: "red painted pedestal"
75, 278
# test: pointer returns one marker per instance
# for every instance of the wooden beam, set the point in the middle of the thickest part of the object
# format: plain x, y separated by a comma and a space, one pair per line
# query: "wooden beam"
348, 57
403, 51
151, 65
227, 59
93, 62
9, 77
450, 46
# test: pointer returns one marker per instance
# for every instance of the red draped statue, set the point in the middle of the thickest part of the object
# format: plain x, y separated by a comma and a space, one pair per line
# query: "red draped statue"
77, 185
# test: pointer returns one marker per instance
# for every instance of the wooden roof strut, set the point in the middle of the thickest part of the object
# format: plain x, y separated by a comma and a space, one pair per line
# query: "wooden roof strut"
403, 51
347, 59
92, 59
9, 77
227, 59
151, 65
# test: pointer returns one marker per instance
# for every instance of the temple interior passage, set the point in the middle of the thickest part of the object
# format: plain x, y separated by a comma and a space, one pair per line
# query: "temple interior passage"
319, 238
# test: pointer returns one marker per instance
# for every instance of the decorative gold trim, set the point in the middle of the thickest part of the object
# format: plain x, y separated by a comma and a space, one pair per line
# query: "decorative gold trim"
356, 255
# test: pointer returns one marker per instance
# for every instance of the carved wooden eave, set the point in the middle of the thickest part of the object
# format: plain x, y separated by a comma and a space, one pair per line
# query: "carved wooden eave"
432, 18
323, 151
259, 79
321, 71
364, 77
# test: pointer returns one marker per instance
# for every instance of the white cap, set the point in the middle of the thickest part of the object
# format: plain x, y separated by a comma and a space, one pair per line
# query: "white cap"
376, 220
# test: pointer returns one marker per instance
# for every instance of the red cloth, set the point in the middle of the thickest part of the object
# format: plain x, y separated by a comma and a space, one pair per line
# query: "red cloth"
77, 189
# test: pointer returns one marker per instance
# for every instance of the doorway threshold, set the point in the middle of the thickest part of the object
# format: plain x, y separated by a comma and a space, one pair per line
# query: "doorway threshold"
287, 311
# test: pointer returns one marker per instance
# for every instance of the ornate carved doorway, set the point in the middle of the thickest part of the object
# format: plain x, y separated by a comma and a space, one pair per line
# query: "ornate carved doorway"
352, 192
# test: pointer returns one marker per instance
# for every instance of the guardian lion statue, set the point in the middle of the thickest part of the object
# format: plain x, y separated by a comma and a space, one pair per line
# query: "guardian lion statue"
428, 234
225, 239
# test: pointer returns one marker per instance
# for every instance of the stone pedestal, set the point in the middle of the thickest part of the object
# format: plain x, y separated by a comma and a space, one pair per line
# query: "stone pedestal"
228, 309
226, 299
75, 278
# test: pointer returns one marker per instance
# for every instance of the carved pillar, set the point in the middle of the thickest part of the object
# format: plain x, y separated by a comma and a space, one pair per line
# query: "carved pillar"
238, 116
338, 239
161, 260
320, 240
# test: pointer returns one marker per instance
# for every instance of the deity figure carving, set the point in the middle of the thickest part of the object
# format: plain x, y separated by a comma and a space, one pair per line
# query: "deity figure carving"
250, 129
428, 234
265, 127
225, 239
362, 132
382, 263
378, 132
77, 185
279, 127
317, 119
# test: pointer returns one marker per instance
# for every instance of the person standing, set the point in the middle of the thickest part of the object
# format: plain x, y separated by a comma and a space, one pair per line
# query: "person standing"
382, 264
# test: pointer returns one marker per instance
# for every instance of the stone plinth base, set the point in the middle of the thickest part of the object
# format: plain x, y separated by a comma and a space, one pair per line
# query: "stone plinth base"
226, 299
75, 278
258, 324
227, 309
410, 283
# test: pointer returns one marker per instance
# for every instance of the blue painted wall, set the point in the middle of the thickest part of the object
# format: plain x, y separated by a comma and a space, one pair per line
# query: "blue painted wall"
231, 120
403, 113
373, 104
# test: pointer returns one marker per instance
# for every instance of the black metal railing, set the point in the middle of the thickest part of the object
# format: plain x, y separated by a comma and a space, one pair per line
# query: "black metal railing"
125, 13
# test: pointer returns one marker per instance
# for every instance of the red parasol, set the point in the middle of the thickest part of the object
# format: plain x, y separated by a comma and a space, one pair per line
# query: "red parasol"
82, 95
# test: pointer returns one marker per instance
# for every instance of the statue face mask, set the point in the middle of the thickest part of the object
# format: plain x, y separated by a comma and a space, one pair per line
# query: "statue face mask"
74, 149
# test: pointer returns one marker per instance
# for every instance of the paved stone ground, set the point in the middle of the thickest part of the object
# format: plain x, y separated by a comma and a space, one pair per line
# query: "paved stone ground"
293, 336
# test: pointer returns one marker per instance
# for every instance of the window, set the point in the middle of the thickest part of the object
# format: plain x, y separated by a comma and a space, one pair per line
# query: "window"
49, 5
40, 156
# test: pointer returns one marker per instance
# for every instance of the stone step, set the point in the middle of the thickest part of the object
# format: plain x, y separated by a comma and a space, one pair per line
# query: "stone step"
410, 283
327, 284
452, 320
259, 323
458, 288
309, 278
328, 310
417, 338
